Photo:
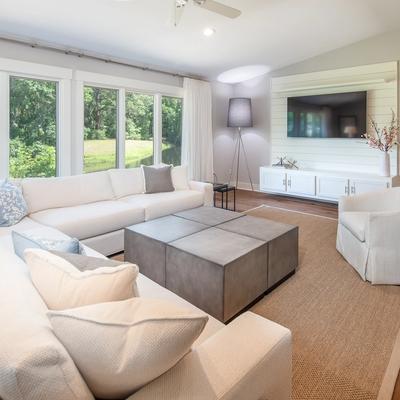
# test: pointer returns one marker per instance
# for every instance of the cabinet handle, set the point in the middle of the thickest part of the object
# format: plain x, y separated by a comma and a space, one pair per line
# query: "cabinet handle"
353, 190
346, 190
290, 183
284, 182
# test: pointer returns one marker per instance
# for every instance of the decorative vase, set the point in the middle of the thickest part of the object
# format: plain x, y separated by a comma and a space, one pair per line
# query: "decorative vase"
385, 164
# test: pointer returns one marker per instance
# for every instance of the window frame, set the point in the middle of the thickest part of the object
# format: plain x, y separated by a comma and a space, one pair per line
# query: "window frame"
62, 77
70, 109
123, 85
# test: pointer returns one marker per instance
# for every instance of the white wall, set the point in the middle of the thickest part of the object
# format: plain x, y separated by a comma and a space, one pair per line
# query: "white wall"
27, 53
255, 139
378, 49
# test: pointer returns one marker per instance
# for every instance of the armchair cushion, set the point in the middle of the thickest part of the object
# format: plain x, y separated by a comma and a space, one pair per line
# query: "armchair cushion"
356, 223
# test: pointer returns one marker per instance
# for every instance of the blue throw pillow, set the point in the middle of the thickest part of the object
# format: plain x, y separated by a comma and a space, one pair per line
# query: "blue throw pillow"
12, 204
23, 241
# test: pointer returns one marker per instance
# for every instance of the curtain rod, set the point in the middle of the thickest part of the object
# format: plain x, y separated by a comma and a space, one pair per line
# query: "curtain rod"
90, 55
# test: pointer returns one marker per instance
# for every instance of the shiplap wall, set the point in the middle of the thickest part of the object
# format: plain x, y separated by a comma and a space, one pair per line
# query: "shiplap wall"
380, 82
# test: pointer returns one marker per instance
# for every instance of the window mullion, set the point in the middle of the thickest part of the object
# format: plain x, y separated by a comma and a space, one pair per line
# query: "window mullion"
63, 141
4, 123
121, 129
157, 128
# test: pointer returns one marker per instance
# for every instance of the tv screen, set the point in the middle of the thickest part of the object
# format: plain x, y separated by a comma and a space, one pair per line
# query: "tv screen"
339, 115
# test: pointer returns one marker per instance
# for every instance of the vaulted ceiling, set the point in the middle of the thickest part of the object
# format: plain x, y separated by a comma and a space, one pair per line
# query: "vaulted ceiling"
275, 33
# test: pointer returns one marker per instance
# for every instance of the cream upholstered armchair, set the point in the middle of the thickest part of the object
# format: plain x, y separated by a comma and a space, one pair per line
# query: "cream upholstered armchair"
368, 235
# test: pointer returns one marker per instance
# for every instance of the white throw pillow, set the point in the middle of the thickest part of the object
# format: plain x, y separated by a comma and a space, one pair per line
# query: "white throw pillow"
62, 285
179, 176
121, 346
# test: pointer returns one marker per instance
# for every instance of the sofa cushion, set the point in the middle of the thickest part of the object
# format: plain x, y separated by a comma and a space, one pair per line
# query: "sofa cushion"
45, 193
25, 224
355, 222
33, 363
179, 176
92, 219
121, 346
150, 289
63, 286
158, 205
126, 182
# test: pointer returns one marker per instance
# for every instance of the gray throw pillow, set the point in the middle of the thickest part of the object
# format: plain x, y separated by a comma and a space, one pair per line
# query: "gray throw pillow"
86, 263
23, 241
157, 179
12, 204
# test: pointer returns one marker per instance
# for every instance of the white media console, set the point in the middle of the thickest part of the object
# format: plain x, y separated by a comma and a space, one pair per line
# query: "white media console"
321, 185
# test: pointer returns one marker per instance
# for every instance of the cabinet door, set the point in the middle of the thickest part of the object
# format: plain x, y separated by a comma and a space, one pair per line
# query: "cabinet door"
358, 186
273, 181
332, 188
301, 184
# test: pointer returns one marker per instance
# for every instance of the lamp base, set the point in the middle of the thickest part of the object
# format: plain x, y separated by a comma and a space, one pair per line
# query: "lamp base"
236, 158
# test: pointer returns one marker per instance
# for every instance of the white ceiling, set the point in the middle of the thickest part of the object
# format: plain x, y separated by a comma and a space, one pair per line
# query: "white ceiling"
271, 32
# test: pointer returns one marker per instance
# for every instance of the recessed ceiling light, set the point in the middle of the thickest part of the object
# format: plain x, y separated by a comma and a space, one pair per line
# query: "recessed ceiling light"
244, 73
208, 31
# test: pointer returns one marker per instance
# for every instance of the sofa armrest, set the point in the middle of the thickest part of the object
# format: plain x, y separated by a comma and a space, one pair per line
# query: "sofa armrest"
206, 188
251, 358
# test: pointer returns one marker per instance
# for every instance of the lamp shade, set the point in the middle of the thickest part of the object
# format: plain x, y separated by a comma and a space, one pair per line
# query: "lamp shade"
239, 113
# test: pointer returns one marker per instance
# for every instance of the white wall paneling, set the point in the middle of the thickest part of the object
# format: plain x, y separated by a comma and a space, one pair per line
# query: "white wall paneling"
379, 80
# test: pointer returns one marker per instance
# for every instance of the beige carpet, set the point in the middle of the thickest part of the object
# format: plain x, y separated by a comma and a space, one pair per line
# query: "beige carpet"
343, 328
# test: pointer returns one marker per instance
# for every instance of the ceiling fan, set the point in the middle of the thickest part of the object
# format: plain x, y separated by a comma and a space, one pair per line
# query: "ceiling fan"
210, 5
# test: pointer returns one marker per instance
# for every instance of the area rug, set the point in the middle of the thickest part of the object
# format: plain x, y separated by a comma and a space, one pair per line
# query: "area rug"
343, 328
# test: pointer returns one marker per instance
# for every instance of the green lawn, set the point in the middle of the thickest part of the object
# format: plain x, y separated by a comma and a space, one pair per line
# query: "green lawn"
101, 154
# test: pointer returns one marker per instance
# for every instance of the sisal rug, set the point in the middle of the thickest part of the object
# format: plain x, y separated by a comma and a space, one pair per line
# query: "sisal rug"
343, 328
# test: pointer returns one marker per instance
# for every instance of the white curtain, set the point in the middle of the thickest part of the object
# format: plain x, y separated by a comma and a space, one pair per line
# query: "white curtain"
197, 137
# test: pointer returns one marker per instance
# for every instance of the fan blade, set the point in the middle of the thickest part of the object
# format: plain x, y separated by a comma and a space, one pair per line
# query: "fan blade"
218, 8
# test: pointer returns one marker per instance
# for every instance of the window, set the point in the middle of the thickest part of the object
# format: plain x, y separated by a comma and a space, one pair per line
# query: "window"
33, 128
139, 110
171, 130
100, 132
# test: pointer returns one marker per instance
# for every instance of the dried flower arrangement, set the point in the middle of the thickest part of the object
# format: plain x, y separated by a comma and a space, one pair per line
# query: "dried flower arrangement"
386, 138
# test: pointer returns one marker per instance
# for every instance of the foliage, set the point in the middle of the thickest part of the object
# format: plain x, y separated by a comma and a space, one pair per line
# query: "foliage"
33, 128
386, 138
36, 159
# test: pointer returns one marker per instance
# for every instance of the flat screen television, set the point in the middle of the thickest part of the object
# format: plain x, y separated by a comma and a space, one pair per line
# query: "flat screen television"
339, 115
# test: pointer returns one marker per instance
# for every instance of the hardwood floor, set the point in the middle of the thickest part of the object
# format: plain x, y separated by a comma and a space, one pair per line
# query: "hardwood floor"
246, 200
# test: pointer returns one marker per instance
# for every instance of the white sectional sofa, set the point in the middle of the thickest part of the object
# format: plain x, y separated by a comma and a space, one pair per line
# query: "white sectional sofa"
96, 207
248, 359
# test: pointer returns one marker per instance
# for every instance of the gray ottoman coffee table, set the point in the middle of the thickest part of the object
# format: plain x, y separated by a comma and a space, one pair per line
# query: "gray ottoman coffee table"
219, 260
146, 243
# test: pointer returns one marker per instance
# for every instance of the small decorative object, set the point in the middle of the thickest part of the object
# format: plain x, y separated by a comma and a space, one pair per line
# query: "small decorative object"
285, 163
384, 139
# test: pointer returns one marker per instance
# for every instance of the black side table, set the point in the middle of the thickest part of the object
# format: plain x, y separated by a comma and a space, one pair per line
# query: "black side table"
224, 189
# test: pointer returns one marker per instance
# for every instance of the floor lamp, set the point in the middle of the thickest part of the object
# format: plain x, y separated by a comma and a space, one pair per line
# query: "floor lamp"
240, 116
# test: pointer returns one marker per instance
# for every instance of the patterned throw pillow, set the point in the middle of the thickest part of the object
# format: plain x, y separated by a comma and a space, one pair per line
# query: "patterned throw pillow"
23, 241
12, 204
